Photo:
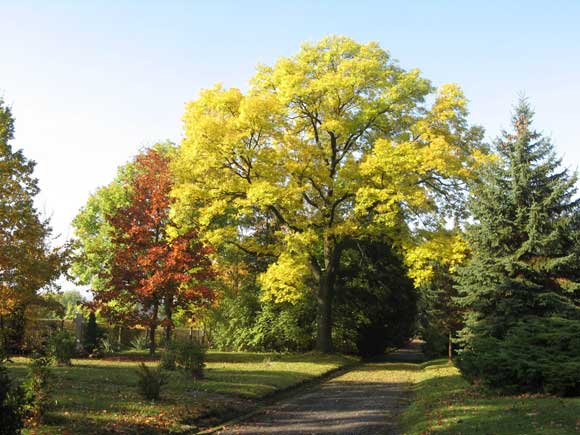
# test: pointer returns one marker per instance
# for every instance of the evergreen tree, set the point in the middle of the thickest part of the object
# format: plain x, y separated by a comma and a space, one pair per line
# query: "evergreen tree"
92, 334
439, 317
525, 247
376, 302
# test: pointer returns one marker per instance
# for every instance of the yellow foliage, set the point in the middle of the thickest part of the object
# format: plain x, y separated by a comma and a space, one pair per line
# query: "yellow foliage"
448, 248
284, 279
333, 143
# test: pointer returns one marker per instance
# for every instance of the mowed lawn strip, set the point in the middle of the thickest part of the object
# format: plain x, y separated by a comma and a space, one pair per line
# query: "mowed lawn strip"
100, 396
444, 403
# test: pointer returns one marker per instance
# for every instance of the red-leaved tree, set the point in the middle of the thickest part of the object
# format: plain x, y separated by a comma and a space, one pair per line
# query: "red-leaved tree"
152, 271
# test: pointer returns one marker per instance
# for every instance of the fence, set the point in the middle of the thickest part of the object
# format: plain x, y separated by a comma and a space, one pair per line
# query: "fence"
38, 330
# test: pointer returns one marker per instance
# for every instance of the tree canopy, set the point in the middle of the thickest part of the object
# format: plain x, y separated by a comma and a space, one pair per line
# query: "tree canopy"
28, 262
148, 268
521, 286
334, 144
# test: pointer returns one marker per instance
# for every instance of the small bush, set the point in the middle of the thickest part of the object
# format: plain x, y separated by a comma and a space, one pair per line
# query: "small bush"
107, 347
189, 356
63, 347
37, 388
140, 343
538, 355
150, 382
168, 358
11, 405
93, 335
435, 343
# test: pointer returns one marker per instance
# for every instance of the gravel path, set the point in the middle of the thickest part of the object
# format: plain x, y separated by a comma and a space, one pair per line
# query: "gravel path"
358, 402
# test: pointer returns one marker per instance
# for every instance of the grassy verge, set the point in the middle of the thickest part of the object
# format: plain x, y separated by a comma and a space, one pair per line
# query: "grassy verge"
446, 404
100, 397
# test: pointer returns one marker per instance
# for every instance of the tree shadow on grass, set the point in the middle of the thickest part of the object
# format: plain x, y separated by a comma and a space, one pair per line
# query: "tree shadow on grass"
257, 357
446, 404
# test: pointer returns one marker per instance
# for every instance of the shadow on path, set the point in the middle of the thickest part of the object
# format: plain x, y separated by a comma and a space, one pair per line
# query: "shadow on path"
359, 402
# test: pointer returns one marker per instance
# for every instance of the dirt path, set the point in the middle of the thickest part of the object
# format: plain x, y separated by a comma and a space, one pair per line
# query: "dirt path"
362, 401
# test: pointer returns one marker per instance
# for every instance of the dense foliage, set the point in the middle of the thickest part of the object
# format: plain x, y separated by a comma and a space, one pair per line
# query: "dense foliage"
11, 404
244, 322
150, 381
93, 334
538, 354
37, 388
376, 301
374, 308
189, 356
440, 317
150, 267
27, 261
524, 273
63, 347
331, 145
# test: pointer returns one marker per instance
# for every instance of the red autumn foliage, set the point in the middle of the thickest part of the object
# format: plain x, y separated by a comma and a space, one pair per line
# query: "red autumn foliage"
150, 270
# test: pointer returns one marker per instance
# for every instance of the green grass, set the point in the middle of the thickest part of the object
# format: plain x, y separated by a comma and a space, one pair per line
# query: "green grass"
100, 396
444, 403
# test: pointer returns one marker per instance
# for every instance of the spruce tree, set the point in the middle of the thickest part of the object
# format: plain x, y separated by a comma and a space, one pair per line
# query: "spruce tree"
525, 252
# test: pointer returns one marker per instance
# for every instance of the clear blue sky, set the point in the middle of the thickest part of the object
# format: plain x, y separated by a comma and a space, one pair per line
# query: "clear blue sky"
92, 82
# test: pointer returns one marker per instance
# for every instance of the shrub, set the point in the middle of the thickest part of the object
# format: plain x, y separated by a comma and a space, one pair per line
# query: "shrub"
93, 335
168, 358
11, 405
435, 343
62, 347
538, 355
36, 388
189, 356
107, 347
150, 381
140, 343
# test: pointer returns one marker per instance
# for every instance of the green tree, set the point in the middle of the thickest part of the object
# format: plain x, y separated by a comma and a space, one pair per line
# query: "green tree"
66, 304
28, 263
93, 242
376, 302
93, 247
525, 243
332, 145
440, 316
141, 268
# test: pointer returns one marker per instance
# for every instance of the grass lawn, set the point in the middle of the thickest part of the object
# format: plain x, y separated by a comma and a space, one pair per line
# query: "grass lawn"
446, 404
100, 396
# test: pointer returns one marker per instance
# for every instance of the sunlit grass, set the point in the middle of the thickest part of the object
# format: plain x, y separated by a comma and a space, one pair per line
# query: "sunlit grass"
100, 396
444, 403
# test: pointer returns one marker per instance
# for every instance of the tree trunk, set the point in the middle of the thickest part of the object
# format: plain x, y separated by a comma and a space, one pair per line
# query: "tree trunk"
119, 337
324, 314
326, 280
450, 346
152, 329
3, 333
16, 330
169, 325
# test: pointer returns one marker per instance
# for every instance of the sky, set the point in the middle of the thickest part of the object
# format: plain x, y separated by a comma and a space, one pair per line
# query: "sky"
91, 83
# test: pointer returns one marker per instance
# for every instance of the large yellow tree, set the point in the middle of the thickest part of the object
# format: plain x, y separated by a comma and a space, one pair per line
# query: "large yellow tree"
335, 144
